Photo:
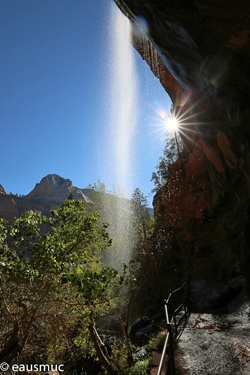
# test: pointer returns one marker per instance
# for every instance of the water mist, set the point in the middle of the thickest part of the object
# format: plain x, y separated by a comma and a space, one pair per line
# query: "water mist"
122, 118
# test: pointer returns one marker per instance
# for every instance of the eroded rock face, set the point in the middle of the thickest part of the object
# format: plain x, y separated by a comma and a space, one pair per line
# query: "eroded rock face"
55, 188
201, 57
204, 44
8, 207
184, 204
202, 52
186, 195
47, 195
2, 191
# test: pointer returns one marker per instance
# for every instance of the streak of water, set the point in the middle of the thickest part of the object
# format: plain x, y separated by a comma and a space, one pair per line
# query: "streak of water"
123, 97
119, 157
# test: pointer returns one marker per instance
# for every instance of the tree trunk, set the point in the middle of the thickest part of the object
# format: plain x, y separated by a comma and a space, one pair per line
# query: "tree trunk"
18, 338
9, 352
101, 356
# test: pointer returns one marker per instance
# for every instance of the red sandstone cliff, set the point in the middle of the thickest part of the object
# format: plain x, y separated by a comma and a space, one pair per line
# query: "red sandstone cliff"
187, 198
200, 50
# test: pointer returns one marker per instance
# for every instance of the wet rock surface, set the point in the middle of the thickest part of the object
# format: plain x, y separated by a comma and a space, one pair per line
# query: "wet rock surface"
216, 344
206, 295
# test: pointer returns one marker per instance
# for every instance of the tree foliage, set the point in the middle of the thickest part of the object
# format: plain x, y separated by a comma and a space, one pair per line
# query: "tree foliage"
53, 286
170, 155
142, 222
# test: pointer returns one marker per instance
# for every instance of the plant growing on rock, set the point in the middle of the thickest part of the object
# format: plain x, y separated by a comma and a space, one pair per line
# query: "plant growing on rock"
170, 154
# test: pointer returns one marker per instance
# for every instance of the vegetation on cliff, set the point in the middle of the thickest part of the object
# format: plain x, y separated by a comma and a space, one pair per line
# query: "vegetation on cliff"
171, 152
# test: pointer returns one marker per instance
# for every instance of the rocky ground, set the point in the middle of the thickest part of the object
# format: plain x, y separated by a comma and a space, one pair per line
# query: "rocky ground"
216, 344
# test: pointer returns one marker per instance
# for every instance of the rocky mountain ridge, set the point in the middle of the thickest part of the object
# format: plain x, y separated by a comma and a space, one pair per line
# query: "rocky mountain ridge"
54, 188
47, 195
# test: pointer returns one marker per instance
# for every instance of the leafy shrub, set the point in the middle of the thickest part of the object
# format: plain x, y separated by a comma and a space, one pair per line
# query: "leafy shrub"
141, 367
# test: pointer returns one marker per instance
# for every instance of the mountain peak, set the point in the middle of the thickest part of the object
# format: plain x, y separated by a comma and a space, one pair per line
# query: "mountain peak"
55, 188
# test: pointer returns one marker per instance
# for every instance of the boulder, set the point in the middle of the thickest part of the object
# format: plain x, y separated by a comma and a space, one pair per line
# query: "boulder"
137, 326
209, 295
142, 336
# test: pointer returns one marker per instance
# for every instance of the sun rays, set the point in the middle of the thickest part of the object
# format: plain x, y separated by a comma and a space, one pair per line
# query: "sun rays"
172, 124
182, 120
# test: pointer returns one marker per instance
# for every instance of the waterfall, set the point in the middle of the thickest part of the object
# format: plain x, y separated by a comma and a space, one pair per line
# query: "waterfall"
121, 111
123, 98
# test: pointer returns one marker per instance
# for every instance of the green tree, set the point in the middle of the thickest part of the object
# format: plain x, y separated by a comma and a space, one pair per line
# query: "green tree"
141, 220
53, 287
160, 177
171, 153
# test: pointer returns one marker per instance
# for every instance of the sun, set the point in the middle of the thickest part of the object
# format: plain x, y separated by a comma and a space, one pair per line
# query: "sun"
172, 124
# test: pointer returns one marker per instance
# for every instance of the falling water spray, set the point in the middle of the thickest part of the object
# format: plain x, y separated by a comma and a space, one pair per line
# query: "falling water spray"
122, 114
123, 97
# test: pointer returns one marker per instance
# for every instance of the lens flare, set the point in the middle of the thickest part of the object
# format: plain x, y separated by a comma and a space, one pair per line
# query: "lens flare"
172, 124
161, 112
184, 119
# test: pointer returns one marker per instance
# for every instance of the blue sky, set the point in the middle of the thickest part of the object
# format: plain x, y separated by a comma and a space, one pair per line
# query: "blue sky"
56, 95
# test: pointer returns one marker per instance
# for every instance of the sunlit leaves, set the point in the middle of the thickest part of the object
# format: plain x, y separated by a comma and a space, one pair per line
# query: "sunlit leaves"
56, 272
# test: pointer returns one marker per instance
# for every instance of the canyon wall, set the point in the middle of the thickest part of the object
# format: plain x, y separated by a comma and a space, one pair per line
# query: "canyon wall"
200, 52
